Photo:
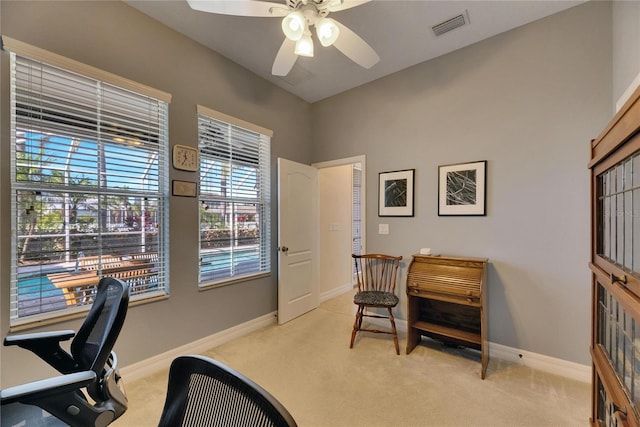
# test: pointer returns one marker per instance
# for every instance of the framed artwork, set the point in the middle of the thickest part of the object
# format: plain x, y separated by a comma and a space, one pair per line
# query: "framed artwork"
395, 193
462, 189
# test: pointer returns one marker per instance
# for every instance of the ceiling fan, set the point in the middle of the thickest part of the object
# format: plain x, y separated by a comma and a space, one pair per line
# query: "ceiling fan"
298, 17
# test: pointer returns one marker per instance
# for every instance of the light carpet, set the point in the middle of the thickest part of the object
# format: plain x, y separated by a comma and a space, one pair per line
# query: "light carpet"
308, 366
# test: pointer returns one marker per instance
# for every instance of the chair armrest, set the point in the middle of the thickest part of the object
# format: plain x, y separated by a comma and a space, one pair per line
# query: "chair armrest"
54, 336
47, 346
35, 389
61, 397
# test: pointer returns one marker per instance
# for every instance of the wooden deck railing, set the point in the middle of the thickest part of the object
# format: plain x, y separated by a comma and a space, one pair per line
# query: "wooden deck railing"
137, 270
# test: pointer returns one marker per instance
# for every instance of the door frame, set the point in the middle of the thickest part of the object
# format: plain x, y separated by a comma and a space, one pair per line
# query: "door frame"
361, 159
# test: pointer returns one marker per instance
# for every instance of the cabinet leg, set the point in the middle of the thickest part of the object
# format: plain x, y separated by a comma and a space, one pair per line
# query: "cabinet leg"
413, 339
485, 361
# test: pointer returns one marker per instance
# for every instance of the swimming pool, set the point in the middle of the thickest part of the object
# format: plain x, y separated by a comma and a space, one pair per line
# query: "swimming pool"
36, 294
222, 263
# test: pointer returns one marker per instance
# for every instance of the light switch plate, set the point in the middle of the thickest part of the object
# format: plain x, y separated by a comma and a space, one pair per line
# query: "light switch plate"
383, 228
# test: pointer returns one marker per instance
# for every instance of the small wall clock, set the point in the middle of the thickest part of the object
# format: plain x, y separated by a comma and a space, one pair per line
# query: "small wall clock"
185, 158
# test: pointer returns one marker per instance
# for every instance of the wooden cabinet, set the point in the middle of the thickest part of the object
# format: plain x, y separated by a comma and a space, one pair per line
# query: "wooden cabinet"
447, 301
615, 267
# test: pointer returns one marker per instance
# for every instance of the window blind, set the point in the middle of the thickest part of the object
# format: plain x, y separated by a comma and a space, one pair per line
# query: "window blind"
235, 217
356, 216
89, 185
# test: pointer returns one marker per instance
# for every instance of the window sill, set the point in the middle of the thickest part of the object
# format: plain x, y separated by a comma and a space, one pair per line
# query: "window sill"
77, 313
233, 281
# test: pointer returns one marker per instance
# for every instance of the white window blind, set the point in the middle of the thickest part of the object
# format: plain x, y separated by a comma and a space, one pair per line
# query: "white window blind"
235, 218
89, 185
356, 217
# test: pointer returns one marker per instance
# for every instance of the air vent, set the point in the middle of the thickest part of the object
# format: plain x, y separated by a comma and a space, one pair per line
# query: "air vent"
451, 24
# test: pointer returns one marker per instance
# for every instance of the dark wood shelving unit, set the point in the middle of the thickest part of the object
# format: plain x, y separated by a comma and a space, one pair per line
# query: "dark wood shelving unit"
615, 268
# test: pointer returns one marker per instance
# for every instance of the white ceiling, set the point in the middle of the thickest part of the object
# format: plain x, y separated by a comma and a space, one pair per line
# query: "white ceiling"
399, 31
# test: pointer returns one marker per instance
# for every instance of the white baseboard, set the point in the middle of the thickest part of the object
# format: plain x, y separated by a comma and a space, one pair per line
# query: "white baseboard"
541, 362
536, 361
156, 363
401, 325
325, 296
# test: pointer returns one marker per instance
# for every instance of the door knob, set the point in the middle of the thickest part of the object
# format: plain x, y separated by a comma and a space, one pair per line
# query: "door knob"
284, 249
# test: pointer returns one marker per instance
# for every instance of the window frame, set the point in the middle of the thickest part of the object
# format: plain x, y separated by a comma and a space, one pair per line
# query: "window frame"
262, 199
161, 194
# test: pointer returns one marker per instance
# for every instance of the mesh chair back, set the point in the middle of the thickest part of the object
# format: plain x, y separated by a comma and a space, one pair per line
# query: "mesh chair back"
204, 393
376, 272
96, 337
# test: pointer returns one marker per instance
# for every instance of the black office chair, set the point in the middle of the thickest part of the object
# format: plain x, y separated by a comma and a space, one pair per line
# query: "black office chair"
91, 367
205, 393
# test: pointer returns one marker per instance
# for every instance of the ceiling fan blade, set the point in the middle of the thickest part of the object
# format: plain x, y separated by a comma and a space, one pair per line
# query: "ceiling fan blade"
239, 7
356, 49
284, 59
337, 5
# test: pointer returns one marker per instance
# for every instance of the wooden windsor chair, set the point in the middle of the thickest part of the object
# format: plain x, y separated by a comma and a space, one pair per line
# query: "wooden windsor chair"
376, 279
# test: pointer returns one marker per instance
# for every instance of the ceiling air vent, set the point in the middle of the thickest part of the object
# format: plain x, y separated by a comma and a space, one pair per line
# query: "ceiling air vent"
451, 24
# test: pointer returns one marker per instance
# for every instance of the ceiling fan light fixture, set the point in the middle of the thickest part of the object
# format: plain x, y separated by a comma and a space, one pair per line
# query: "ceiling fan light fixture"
327, 31
304, 46
294, 25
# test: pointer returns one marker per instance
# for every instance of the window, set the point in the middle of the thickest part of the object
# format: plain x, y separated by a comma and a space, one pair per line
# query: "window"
235, 218
89, 187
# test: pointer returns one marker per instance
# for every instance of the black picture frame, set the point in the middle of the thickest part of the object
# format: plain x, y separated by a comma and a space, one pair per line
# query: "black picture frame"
462, 189
396, 193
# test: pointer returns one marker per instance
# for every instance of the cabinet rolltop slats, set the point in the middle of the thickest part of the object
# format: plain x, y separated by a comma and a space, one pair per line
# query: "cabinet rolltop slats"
447, 278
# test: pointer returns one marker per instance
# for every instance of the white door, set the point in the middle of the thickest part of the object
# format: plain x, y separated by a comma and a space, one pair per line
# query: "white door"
298, 286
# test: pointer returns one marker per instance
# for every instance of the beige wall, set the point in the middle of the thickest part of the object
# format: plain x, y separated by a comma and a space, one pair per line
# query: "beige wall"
335, 192
114, 37
626, 46
528, 101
